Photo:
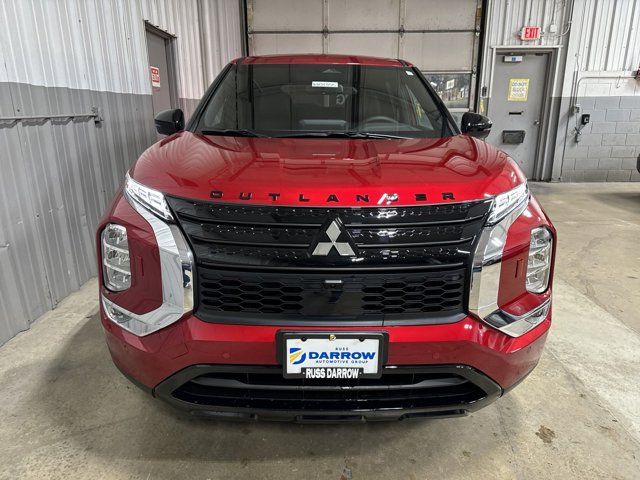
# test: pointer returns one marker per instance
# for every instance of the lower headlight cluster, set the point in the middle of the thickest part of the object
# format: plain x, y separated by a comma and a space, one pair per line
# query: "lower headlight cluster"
516, 326
115, 258
539, 263
174, 256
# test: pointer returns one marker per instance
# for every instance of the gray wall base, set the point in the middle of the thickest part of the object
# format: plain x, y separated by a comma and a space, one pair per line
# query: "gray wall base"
57, 179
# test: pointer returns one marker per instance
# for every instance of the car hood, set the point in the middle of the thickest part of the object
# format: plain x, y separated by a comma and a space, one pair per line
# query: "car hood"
326, 171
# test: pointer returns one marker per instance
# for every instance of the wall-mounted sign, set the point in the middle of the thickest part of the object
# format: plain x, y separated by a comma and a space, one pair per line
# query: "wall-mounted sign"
518, 90
530, 33
512, 58
155, 77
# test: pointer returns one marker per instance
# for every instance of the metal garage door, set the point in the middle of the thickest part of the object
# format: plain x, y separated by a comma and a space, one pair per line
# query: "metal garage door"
440, 37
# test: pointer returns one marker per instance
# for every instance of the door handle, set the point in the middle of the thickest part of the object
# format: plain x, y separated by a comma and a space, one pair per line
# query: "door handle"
536, 122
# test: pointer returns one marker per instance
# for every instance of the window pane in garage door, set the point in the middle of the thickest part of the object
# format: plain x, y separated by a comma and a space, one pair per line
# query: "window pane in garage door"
453, 88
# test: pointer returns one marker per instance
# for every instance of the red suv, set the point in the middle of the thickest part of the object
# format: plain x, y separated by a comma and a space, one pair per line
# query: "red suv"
322, 242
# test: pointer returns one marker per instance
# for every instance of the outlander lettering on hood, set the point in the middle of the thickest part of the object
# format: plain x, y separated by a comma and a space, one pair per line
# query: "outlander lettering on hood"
384, 199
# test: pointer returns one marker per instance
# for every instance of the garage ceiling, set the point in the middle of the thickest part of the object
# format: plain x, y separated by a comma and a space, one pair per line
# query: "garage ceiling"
441, 38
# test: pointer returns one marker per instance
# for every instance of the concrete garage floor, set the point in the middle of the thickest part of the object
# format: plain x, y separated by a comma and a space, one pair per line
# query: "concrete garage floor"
68, 413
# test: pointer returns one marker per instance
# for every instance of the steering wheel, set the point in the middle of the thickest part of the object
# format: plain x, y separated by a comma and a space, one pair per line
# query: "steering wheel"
381, 118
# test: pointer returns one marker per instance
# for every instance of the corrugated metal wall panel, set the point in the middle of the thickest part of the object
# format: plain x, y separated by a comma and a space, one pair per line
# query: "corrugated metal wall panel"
633, 46
209, 36
509, 16
221, 28
57, 177
99, 45
24, 293
69, 171
76, 44
167, 15
610, 37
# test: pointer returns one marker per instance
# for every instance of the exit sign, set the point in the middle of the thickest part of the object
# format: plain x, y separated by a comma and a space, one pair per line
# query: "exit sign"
530, 33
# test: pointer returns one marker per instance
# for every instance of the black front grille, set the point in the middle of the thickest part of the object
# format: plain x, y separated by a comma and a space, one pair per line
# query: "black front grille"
264, 388
257, 262
268, 238
364, 297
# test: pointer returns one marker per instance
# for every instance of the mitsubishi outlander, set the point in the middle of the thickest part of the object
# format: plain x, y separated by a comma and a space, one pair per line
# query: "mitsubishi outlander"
321, 242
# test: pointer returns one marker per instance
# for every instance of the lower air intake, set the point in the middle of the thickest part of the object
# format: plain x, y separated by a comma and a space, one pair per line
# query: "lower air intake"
401, 391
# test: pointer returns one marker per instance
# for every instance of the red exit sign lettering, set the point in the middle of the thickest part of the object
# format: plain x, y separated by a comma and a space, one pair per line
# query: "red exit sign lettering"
530, 33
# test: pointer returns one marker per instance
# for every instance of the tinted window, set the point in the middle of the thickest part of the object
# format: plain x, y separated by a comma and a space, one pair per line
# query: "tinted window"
281, 100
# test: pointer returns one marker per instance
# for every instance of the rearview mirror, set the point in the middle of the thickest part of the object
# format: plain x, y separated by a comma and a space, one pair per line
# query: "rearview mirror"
169, 122
475, 125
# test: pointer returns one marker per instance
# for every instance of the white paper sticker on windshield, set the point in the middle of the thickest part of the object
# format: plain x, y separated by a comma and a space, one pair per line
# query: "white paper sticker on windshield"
408, 72
324, 84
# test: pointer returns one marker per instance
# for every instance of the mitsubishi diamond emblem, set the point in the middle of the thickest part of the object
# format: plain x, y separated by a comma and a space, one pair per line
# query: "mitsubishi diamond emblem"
331, 238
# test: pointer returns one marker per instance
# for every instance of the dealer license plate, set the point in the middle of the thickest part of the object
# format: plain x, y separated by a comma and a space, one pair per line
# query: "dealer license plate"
340, 356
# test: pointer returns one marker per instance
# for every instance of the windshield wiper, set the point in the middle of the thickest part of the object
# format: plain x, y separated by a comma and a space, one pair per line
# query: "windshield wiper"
348, 134
352, 134
233, 133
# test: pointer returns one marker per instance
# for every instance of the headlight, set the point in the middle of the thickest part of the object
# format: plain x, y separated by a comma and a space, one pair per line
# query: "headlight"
151, 199
506, 202
175, 257
539, 263
115, 258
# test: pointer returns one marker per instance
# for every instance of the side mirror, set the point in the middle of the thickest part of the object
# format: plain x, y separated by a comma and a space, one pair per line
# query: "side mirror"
169, 122
475, 125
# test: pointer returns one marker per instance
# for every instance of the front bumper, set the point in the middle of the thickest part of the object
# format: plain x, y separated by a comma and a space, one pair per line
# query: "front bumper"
169, 360
166, 361
260, 393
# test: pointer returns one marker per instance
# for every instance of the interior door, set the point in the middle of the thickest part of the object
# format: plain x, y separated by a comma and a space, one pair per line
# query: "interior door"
516, 105
159, 74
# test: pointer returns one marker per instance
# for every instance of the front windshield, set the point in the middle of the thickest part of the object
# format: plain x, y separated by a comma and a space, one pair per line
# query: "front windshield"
323, 100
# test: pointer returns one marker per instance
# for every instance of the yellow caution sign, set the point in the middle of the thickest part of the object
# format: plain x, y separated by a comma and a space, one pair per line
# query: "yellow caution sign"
518, 89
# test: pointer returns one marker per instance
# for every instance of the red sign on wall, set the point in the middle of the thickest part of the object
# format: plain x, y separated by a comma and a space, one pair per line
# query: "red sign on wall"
155, 77
530, 33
